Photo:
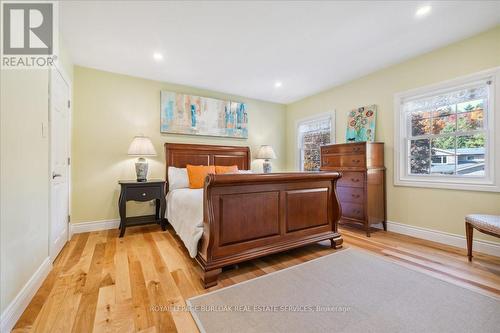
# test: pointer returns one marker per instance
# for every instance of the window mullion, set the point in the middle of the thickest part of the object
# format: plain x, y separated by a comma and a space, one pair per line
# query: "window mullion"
430, 155
456, 157
434, 136
456, 139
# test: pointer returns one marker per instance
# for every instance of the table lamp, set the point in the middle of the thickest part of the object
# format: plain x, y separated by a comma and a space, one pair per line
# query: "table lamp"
266, 153
141, 146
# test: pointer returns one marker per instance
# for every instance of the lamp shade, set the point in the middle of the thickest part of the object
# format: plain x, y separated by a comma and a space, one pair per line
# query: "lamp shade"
142, 146
266, 152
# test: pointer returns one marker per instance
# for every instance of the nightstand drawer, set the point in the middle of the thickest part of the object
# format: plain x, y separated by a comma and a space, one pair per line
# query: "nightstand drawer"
143, 193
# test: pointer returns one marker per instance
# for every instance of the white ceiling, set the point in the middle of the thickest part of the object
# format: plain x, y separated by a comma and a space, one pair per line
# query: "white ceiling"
244, 47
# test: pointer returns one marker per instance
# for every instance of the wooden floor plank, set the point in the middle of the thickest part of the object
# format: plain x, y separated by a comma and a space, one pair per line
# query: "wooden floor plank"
69, 306
163, 321
47, 317
84, 321
122, 280
143, 317
102, 283
106, 303
173, 296
32, 312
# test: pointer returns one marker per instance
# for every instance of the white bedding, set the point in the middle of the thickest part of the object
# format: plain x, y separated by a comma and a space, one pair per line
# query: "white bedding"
185, 214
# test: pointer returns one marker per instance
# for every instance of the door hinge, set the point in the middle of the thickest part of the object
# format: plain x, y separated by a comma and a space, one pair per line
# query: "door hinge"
69, 103
69, 160
69, 218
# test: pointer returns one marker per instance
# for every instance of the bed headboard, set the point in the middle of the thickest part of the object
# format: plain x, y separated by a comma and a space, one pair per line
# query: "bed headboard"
179, 155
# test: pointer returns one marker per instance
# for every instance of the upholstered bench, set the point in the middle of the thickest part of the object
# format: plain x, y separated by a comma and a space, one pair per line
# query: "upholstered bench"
488, 224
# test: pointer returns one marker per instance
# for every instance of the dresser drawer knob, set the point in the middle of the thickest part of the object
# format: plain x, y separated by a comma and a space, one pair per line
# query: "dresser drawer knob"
355, 195
355, 180
144, 194
356, 161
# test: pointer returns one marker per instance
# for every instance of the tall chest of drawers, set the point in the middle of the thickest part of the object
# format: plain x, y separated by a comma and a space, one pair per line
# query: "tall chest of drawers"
361, 190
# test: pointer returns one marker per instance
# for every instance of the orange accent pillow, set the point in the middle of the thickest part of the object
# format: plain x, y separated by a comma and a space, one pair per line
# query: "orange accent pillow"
197, 174
219, 169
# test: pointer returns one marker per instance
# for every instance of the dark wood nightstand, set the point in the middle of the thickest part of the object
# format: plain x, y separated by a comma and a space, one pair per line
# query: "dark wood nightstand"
132, 190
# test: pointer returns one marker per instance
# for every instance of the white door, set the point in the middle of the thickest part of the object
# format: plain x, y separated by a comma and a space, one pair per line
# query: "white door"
59, 152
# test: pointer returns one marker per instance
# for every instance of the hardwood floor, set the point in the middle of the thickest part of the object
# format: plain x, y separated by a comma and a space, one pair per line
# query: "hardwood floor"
104, 283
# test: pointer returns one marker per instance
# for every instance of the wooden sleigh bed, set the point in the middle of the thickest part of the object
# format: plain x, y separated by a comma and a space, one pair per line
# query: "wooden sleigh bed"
246, 216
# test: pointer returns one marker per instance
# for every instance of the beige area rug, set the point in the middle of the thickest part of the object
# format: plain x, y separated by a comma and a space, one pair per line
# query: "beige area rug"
348, 291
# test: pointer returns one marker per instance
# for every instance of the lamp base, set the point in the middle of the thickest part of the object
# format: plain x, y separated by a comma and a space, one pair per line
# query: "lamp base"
267, 166
141, 169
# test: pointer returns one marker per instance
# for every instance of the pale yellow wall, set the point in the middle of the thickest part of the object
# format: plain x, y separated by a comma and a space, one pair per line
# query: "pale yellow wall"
110, 109
24, 178
437, 209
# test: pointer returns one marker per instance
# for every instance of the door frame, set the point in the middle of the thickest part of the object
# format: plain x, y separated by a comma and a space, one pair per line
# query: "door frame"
58, 67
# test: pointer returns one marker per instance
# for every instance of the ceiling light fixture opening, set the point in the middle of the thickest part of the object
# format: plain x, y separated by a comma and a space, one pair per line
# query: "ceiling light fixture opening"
278, 84
423, 11
158, 56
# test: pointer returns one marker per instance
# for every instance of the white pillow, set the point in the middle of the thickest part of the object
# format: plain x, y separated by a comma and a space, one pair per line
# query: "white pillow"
177, 178
245, 171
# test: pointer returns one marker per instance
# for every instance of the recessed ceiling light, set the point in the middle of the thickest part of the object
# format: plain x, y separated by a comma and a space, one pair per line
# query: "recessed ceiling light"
423, 11
278, 84
158, 56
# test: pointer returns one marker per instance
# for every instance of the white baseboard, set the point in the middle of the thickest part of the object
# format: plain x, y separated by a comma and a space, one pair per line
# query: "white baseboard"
442, 237
78, 228
16, 308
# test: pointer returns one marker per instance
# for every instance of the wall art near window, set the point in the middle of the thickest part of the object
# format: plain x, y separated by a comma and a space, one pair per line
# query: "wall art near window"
195, 115
361, 124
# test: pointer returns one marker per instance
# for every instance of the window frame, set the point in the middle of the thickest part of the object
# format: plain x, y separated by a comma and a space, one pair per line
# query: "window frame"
317, 117
491, 180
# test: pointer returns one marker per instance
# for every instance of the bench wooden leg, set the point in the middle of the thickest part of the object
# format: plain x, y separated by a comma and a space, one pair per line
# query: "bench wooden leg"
469, 230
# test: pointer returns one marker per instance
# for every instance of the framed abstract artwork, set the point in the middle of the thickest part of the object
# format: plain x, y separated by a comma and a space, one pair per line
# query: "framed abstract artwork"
361, 124
195, 115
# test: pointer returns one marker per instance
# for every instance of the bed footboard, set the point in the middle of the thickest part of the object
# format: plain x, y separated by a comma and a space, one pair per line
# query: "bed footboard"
247, 216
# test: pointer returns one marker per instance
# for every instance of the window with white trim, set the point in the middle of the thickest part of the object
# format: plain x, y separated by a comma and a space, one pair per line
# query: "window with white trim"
446, 134
312, 133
